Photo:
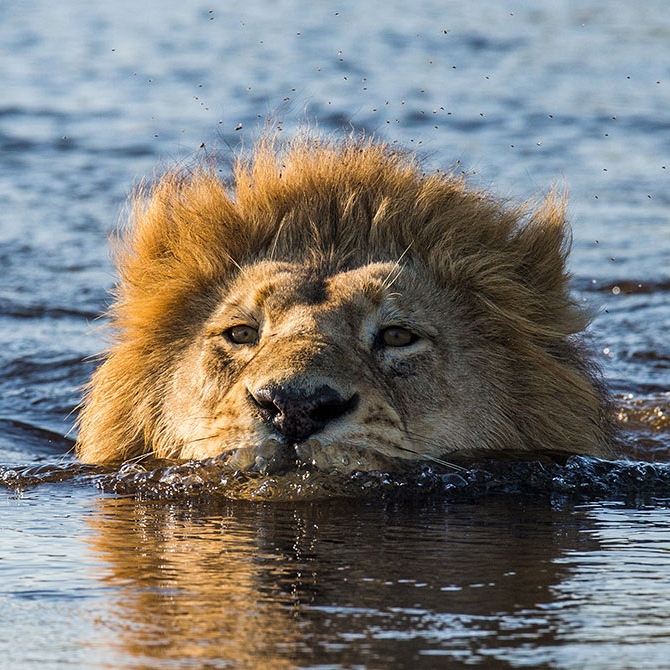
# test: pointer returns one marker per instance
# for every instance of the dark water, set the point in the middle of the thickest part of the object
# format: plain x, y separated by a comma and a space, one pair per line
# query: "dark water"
503, 566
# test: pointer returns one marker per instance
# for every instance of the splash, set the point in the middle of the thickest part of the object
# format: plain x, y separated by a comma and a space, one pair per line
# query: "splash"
581, 477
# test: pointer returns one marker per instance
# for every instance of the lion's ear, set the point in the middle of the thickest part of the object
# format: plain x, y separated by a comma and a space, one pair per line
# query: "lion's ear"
541, 246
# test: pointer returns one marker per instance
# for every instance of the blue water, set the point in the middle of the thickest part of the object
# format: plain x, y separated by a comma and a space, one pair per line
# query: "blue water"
520, 96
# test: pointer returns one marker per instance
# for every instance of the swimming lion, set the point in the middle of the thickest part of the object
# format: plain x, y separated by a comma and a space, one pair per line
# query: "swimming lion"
335, 305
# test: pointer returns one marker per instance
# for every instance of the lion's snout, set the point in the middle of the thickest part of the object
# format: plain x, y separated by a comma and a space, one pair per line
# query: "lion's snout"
297, 412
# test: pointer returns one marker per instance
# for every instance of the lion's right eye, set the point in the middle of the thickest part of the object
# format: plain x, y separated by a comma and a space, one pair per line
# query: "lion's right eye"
396, 336
242, 334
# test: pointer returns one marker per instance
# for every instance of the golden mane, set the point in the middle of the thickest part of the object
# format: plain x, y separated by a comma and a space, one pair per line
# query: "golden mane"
339, 204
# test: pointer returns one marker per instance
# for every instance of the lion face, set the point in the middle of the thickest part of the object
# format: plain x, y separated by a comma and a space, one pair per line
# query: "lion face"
336, 305
342, 370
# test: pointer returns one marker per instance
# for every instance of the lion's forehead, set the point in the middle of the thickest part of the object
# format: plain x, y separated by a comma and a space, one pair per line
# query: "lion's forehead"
282, 287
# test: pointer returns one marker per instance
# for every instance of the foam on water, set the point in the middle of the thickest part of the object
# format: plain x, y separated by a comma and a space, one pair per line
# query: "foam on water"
582, 477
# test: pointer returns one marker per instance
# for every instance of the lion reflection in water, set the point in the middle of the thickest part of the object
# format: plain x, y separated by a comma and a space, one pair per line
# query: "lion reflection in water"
333, 304
330, 585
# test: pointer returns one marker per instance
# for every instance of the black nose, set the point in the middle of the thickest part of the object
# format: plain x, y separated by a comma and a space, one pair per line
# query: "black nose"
297, 413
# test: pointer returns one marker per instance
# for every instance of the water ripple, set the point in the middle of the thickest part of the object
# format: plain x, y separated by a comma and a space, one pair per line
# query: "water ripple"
581, 477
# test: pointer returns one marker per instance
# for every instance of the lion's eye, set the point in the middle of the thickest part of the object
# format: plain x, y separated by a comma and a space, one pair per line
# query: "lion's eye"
242, 334
395, 336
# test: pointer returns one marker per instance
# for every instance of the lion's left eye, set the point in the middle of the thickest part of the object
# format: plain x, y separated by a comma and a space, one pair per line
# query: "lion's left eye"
396, 336
242, 334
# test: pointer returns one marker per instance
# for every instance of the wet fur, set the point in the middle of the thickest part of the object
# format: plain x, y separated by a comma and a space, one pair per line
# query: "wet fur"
331, 208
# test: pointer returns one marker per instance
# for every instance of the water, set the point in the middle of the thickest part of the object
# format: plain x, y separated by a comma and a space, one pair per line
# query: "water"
116, 583
505, 567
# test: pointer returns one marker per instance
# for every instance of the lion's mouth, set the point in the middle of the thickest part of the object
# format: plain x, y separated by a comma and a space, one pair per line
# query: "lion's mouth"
273, 456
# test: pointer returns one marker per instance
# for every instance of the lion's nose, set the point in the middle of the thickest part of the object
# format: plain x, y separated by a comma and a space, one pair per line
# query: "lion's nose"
297, 413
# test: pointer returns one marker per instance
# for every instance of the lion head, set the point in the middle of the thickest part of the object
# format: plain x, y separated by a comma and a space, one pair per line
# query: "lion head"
335, 304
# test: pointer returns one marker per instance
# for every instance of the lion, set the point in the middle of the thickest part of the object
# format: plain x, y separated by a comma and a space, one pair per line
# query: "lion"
334, 304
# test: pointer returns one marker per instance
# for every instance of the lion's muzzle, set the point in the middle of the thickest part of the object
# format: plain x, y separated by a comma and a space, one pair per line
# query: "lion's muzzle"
297, 412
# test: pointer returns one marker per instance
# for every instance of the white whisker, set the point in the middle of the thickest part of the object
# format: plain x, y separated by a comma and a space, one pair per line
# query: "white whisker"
235, 263
396, 271
201, 439
140, 457
433, 459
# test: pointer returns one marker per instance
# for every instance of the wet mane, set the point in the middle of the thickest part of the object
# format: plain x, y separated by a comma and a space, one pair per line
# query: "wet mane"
340, 205
344, 204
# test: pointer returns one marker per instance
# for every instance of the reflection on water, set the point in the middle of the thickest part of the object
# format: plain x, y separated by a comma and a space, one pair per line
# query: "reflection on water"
379, 586
615, 598
503, 580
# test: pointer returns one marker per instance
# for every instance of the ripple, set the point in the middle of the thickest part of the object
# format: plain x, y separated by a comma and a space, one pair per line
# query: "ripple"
622, 286
34, 309
633, 287
19, 479
645, 413
645, 421
38, 439
580, 478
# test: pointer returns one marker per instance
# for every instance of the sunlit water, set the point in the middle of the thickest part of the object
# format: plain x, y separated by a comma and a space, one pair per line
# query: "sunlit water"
189, 566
